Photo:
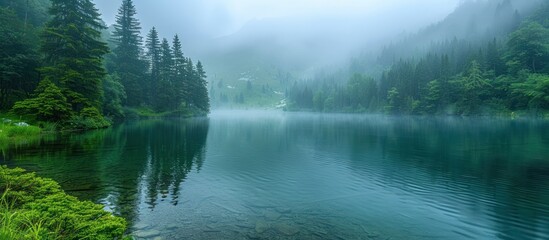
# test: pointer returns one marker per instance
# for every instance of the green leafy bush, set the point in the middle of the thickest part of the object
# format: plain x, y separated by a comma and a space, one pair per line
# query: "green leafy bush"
49, 105
89, 118
36, 208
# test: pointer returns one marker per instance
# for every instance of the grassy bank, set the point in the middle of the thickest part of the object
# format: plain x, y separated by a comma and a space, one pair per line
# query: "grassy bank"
36, 208
144, 113
18, 134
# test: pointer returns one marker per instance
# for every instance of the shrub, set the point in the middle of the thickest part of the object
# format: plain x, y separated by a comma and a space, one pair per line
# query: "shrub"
89, 118
34, 207
49, 105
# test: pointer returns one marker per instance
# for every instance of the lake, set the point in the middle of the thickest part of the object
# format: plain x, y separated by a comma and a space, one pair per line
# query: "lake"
276, 175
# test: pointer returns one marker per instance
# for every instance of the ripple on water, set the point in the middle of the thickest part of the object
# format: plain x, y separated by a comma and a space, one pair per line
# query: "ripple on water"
307, 176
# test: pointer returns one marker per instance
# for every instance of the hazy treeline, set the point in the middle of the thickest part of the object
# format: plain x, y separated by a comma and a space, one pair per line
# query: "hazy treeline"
503, 68
60, 63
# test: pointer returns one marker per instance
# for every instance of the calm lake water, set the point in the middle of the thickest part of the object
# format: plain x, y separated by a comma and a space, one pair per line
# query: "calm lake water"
275, 175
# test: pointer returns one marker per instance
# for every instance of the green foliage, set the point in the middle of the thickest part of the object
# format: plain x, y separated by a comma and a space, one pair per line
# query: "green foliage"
153, 54
362, 91
36, 208
115, 94
457, 77
21, 131
49, 105
34, 12
18, 59
471, 86
74, 52
394, 101
12, 134
128, 65
201, 99
535, 89
75, 85
89, 118
173, 80
180, 74
529, 48
433, 98
166, 97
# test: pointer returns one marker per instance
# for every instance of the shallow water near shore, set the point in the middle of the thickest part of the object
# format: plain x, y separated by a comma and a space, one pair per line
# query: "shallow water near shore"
276, 175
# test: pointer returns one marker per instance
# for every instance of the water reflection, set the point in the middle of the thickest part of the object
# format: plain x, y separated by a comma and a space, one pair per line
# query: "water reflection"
115, 166
311, 176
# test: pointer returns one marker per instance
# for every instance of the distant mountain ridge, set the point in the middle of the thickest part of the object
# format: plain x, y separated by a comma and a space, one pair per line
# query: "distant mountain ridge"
474, 21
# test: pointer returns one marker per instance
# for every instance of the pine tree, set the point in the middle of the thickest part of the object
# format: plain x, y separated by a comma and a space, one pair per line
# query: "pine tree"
74, 52
165, 93
191, 84
203, 100
472, 85
180, 71
166, 61
129, 67
153, 56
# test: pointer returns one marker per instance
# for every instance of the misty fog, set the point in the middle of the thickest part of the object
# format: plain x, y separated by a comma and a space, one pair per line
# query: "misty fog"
296, 35
274, 119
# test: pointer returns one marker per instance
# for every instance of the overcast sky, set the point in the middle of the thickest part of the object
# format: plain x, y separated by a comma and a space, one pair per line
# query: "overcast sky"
213, 18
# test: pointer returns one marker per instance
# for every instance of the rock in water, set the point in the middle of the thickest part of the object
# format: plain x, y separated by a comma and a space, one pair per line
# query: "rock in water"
261, 226
140, 226
283, 210
271, 215
171, 227
147, 234
287, 229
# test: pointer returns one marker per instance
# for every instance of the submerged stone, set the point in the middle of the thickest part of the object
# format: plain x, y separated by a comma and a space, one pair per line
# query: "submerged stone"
283, 210
287, 229
147, 234
271, 215
140, 226
261, 226
171, 227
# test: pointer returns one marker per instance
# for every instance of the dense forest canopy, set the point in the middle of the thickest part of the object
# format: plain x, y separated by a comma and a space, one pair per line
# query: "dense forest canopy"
60, 63
486, 57
502, 69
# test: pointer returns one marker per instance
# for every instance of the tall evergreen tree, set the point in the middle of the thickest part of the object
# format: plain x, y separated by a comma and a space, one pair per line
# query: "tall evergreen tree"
153, 56
180, 71
202, 98
128, 65
165, 93
166, 61
191, 84
74, 52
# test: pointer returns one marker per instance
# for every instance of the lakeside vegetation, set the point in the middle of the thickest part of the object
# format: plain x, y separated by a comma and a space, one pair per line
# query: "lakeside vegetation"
63, 69
17, 134
62, 65
36, 208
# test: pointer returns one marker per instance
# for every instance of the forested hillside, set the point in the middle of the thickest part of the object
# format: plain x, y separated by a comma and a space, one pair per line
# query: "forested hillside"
499, 68
59, 63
